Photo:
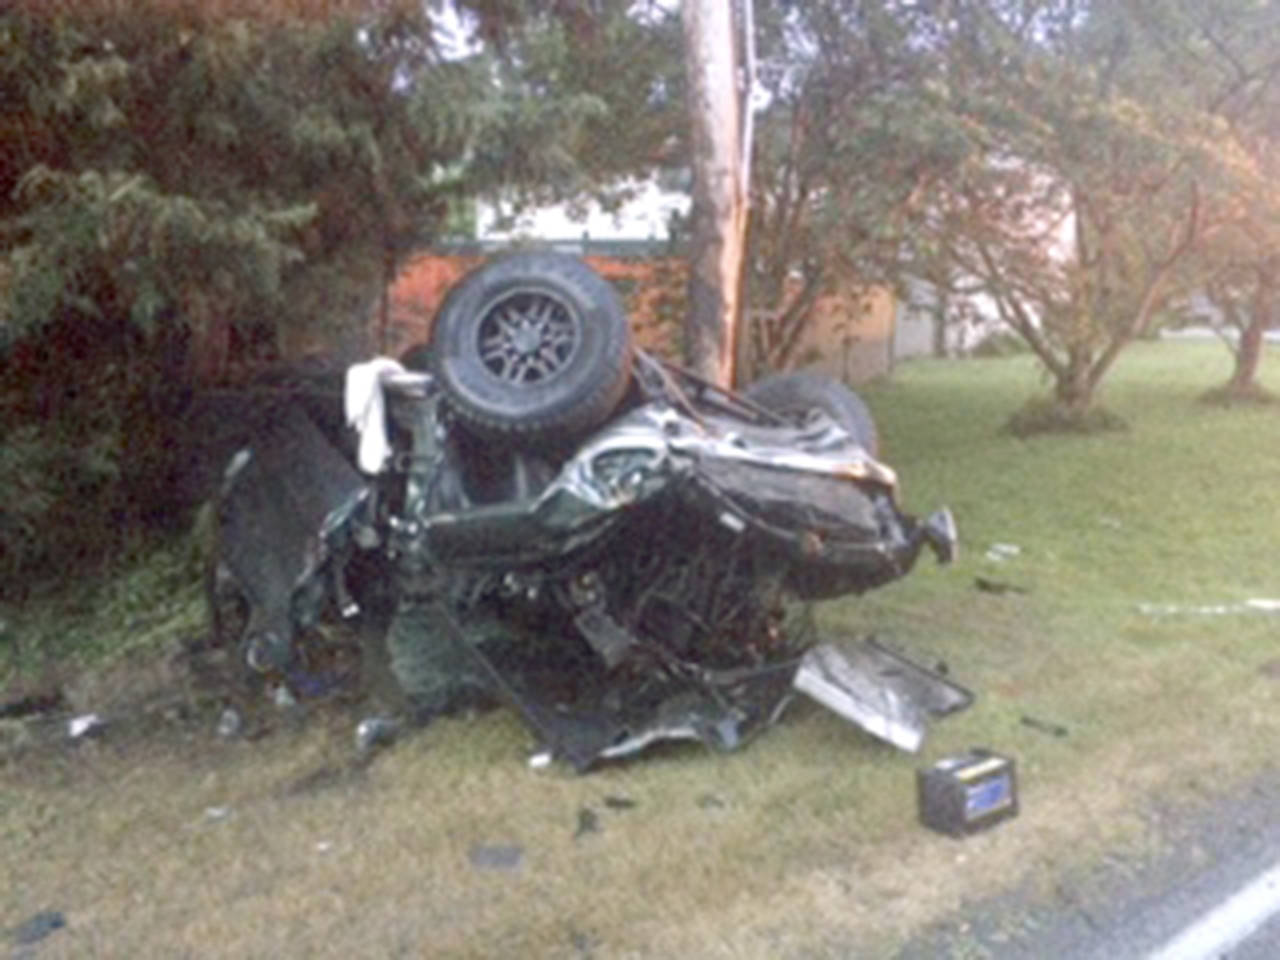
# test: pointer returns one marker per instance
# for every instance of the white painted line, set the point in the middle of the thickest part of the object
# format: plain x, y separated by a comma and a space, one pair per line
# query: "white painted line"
1227, 924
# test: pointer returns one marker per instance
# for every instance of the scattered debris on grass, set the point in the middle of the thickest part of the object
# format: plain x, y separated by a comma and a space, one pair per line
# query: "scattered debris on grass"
85, 725
1271, 669
230, 723
325, 777
997, 586
614, 802
1000, 552
31, 704
496, 857
588, 822
36, 928
709, 801
374, 732
584, 943
217, 814
283, 699
1044, 726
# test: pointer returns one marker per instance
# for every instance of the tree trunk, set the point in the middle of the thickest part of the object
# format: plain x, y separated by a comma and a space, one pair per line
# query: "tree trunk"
1073, 385
939, 318
719, 200
1248, 357
1244, 379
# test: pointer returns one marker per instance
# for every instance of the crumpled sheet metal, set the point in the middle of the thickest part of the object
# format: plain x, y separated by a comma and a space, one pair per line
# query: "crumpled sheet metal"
879, 690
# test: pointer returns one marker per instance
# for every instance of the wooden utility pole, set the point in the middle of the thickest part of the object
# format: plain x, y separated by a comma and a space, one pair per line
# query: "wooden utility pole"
719, 215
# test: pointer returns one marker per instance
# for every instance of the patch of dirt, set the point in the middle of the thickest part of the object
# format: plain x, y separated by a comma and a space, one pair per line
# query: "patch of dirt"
158, 698
1271, 669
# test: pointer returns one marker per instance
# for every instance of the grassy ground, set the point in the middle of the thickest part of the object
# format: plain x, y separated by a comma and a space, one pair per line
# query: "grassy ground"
805, 844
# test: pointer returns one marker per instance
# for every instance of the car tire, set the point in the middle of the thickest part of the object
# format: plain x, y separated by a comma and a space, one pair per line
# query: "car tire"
793, 395
534, 346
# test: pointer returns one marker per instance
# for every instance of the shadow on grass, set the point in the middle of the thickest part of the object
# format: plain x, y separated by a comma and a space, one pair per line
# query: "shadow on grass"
1046, 415
1236, 395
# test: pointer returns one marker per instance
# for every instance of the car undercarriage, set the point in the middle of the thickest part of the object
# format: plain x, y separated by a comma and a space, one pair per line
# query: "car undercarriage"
535, 511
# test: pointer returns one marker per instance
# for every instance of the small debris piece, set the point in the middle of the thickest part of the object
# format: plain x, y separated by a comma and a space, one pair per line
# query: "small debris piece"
588, 822
217, 814
496, 857
1053, 729
283, 699
31, 704
709, 801
323, 777
38, 927
1271, 669
1000, 552
997, 586
619, 803
584, 943
230, 723
540, 760
324, 846
85, 725
373, 732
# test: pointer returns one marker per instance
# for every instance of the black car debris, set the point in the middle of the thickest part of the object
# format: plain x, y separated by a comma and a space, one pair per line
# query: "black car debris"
541, 513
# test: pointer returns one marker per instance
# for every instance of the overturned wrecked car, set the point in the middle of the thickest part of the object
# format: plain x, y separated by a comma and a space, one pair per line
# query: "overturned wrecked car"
530, 509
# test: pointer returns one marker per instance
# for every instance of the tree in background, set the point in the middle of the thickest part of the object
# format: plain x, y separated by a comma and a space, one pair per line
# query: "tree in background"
1065, 160
1223, 52
187, 184
854, 136
1089, 191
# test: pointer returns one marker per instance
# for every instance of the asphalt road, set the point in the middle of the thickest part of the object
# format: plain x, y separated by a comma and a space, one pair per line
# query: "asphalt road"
1217, 876
1263, 945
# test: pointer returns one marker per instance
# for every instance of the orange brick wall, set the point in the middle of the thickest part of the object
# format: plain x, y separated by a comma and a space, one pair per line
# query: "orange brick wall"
653, 291
849, 337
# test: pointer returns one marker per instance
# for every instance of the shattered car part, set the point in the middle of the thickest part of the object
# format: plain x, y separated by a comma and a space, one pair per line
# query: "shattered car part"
619, 550
84, 726
879, 690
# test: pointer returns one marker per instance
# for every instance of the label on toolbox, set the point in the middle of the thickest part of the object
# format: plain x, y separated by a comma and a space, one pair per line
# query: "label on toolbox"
988, 797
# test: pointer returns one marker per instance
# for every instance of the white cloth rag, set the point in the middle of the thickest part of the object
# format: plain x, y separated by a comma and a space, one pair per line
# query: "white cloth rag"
366, 409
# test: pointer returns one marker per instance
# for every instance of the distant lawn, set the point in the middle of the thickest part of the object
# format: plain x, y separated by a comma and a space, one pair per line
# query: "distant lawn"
804, 844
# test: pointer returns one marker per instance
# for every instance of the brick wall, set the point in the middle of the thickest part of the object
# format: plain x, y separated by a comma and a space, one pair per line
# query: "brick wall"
850, 336
653, 291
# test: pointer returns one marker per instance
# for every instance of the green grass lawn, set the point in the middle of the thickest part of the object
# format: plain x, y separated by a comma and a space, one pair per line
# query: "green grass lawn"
804, 844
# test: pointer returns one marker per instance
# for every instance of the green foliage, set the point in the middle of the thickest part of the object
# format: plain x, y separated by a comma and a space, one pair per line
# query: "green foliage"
91, 235
1110, 162
856, 131
189, 189
1066, 161
145, 600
